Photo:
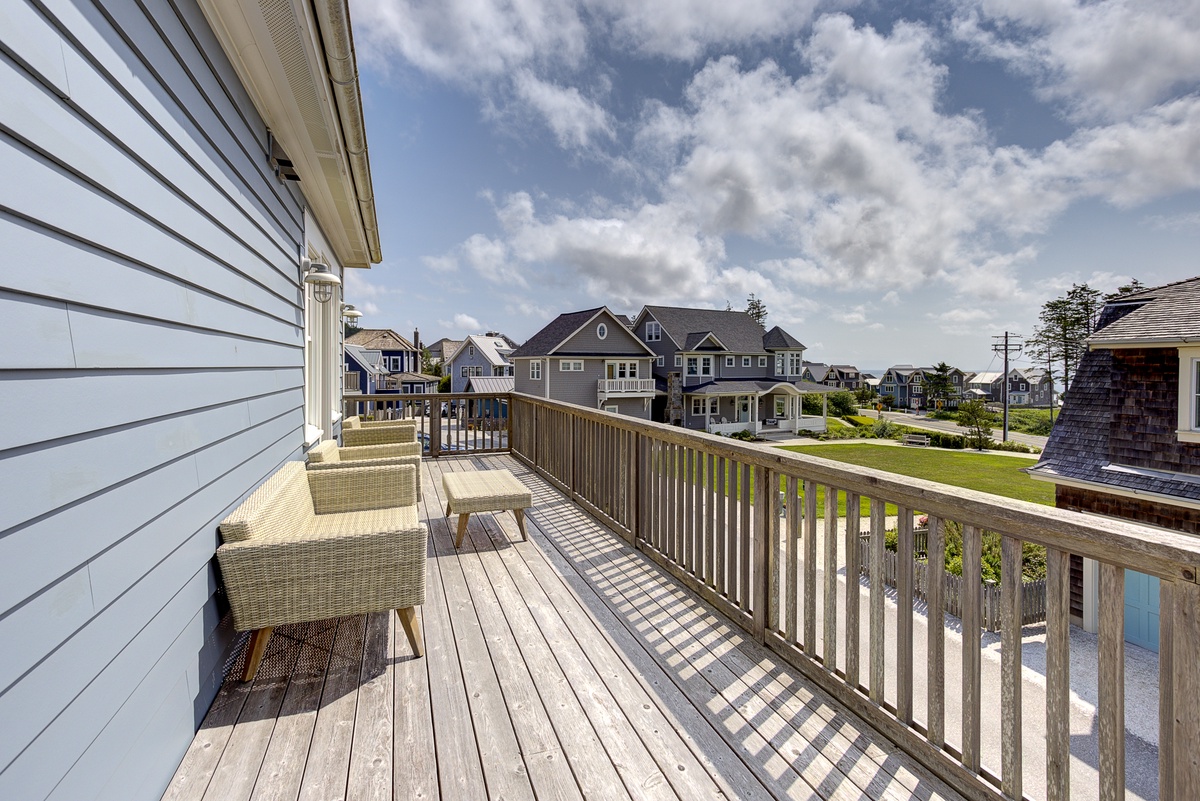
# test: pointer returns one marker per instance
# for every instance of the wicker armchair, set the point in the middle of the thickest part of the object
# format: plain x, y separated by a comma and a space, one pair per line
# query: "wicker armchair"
358, 433
328, 456
315, 544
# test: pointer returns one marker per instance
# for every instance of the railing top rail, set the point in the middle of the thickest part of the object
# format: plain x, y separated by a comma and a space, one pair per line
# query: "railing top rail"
1171, 555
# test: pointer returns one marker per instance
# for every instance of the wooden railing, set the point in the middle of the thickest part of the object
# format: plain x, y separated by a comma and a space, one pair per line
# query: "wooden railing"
618, 386
448, 423
689, 501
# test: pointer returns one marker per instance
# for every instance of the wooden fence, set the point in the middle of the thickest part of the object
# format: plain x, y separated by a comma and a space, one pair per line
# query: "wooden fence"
688, 501
1033, 593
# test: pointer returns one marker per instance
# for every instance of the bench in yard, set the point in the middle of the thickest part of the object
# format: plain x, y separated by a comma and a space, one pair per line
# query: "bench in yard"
920, 440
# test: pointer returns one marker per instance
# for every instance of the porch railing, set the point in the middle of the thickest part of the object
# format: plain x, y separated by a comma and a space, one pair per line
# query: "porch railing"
447, 423
620, 386
689, 501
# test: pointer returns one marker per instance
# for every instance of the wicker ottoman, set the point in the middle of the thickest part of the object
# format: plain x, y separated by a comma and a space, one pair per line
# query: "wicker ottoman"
485, 491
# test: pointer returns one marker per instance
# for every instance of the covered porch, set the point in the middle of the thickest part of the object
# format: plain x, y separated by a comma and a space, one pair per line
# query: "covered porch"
760, 406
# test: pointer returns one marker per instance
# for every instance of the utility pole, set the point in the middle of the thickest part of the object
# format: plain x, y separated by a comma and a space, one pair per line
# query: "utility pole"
1007, 348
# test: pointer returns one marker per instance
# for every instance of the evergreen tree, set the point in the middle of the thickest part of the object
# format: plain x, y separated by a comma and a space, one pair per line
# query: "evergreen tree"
757, 309
938, 386
1128, 289
1065, 323
975, 417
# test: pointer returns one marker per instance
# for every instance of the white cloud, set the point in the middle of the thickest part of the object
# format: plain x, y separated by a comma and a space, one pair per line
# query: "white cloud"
685, 29
462, 323
441, 264
892, 298
1174, 222
852, 316
1103, 60
369, 308
575, 120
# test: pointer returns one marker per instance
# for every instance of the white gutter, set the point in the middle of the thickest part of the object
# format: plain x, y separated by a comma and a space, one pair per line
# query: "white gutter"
334, 19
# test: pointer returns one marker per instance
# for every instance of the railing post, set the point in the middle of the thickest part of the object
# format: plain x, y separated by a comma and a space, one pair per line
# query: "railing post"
435, 429
633, 487
1186, 703
766, 515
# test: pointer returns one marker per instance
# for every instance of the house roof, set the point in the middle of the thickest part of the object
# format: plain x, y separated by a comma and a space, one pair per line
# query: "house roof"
564, 326
490, 384
736, 330
698, 338
379, 339
414, 378
445, 346
496, 349
778, 339
370, 360
1164, 315
985, 378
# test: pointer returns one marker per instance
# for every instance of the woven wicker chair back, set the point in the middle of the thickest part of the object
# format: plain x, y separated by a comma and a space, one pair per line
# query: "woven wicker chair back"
281, 504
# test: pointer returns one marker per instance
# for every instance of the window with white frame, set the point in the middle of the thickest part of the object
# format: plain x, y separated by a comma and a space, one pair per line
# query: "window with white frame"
535, 370
729, 361
780, 407
706, 365
693, 365
795, 363
702, 406
745, 361
602, 331
653, 331
470, 370
1189, 395
762, 361
612, 410
778, 364
614, 370
570, 366
471, 350
678, 360
660, 361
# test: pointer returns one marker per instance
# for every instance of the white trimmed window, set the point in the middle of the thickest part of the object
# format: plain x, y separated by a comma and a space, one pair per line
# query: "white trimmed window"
778, 364
706, 365
660, 361
1189, 395
693, 365
613, 370
570, 366
678, 360
653, 331
762, 361
602, 331
729, 361
612, 410
469, 370
795, 363
745, 361
702, 406
535, 370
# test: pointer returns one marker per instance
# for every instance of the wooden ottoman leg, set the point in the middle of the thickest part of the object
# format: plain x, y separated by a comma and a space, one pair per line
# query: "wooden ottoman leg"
462, 528
520, 515
412, 628
255, 650
447, 510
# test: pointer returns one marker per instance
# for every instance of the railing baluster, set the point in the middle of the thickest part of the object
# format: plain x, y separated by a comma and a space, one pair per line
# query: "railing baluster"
720, 583
792, 560
710, 534
764, 575
935, 639
1166, 690
1058, 675
853, 574
829, 652
810, 568
972, 607
1185, 630
745, 555
697, 514
904, 615
878, 522
1111, 670
1010, 666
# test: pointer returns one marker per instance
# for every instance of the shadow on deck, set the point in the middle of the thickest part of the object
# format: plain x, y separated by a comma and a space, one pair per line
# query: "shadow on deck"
566, 667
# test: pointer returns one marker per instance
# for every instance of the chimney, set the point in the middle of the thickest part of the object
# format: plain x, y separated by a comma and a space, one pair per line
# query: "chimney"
417, 339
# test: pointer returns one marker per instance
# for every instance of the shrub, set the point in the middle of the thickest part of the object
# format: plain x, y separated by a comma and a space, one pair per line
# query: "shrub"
1013, 447
859, 420
884, 429
745, 436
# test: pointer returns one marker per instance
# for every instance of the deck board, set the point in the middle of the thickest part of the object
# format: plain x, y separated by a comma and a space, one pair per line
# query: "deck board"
566, 667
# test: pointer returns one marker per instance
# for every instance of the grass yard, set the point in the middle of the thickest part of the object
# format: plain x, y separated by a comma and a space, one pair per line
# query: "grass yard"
999, 475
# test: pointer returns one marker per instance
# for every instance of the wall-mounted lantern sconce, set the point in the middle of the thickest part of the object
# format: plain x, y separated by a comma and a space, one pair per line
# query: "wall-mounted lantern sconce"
350, 313
323, 281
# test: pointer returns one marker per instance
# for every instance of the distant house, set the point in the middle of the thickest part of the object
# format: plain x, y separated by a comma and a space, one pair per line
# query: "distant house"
443, 349
908, 387
589, 358
815, 372
838, 376
399, 354
479, 355
1127, 443
1030, 386
364, 373
722, 372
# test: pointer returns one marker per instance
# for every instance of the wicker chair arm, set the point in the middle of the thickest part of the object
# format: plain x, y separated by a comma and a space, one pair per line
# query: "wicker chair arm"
389, 451
378, 435
384, 423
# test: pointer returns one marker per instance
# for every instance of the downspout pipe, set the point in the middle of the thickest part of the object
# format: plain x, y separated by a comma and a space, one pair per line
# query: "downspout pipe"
334, 18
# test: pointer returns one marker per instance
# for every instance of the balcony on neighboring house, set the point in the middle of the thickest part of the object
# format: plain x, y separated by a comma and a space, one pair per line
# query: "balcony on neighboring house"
670, 630
607, 388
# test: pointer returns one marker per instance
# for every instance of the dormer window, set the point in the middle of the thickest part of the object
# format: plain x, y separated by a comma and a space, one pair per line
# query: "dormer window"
653, 331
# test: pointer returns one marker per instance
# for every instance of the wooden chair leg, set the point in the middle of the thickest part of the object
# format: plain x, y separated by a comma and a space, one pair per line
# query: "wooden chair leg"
255, 650
412, 628
462, 528
520, 515
447, 510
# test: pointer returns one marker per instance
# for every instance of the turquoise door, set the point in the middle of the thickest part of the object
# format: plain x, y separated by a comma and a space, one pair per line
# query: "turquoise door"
1141, 609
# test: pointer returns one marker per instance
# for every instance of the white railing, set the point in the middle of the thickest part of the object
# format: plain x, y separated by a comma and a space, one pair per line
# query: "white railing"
625, 386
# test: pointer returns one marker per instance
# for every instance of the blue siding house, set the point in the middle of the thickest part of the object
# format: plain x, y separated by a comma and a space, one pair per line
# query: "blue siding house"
171, 171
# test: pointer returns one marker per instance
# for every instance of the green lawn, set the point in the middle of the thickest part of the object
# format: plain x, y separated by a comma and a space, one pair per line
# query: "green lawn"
999, 475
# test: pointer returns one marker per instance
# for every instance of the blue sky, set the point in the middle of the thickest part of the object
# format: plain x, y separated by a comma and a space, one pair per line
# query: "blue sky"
898, 181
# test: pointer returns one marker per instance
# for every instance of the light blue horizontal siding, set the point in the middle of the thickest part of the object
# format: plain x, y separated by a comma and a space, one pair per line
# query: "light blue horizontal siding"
153, 325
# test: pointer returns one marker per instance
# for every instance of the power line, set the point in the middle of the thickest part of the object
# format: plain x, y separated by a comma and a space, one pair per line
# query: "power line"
1011, 346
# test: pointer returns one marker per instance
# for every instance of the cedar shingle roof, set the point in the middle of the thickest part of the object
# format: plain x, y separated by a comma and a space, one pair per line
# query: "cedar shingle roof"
379, 339
1165, 313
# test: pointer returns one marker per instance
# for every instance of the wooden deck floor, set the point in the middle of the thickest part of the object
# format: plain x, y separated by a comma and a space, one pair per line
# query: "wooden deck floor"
566, 667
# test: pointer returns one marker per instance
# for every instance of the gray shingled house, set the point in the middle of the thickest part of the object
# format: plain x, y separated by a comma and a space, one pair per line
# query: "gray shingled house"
723, 373
1127, 443
590, 358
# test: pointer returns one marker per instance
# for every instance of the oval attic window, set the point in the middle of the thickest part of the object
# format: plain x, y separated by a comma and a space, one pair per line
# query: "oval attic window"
602, 331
